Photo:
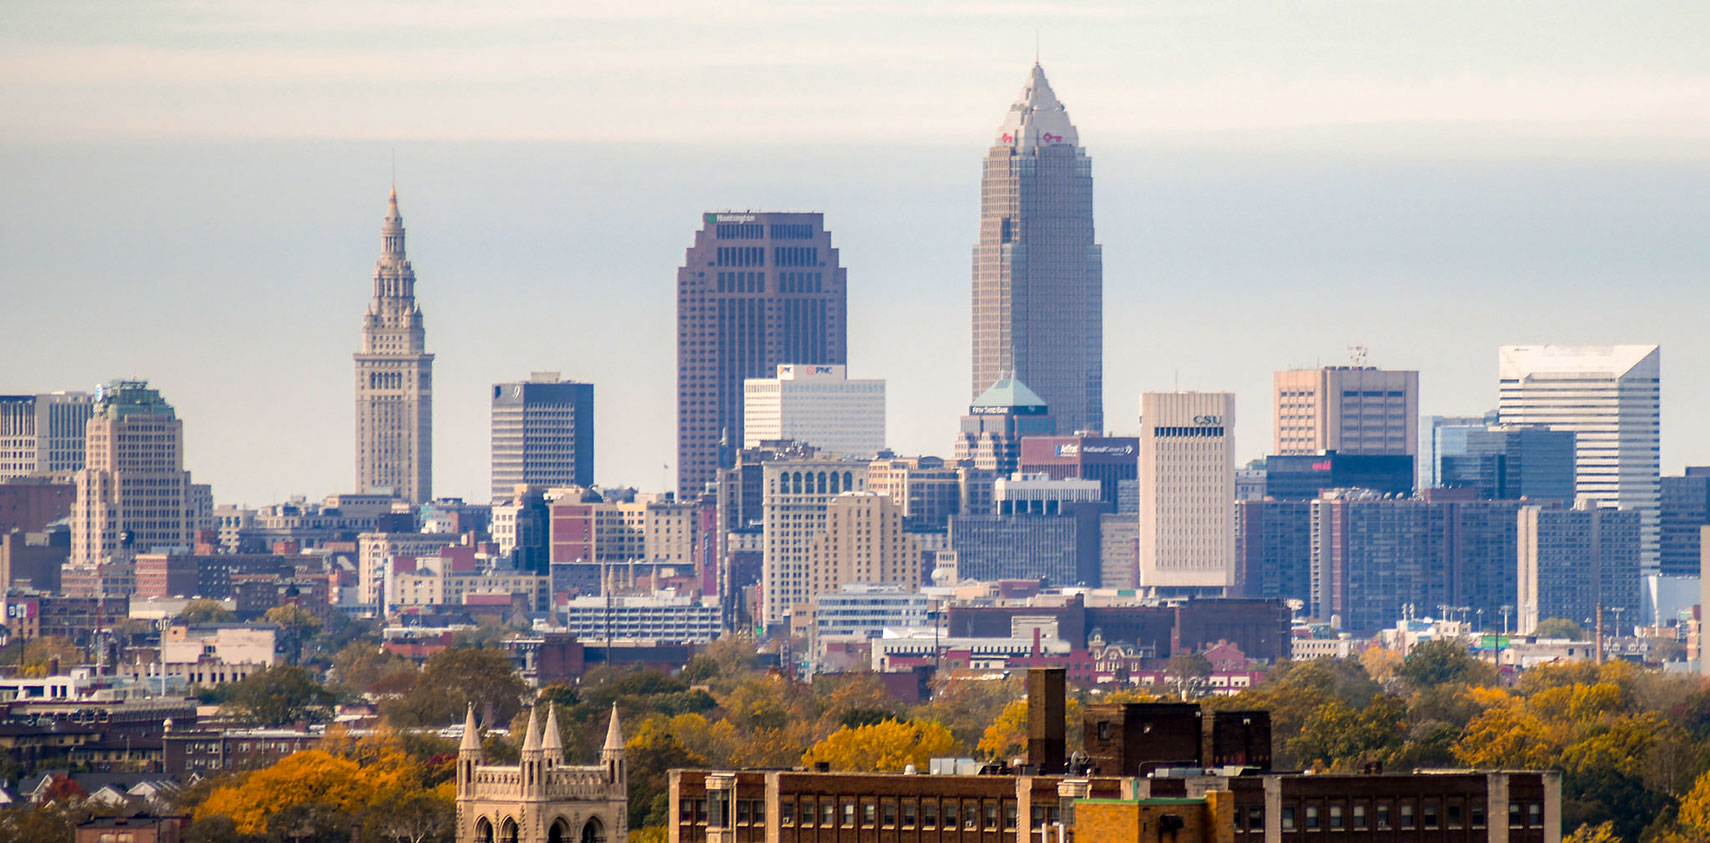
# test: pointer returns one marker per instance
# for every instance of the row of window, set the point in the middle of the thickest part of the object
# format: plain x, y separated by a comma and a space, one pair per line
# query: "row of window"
868, 812
1383, 816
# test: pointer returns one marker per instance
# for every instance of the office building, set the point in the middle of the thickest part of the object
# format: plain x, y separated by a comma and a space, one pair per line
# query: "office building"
1447, 434
1574, 561
1059, 550
1347, 409
394, 378
1303, 476
756, 290
134, 495
1119, 550
818, 406
1273, 549
866, 610
543, 434
1187, 492
794, 505
863, 541
1038, 308
663, 618
1609, 396
43, 434
930, 489
1685, 511
1038, 494
996, 423
1108, 459
1509, 462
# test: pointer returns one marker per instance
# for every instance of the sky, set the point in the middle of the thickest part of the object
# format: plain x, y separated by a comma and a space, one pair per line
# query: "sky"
191, 192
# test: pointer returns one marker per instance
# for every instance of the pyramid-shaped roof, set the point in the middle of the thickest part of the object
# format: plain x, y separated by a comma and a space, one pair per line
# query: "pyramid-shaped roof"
1009, 391
1037, 118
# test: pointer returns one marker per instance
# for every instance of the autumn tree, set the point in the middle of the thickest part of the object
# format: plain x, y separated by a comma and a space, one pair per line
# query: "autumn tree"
44, 653
453, 679
1006, 738
367, 668
203, 610
883, 747
297, 624
1559, 628
1443, 661
280, 695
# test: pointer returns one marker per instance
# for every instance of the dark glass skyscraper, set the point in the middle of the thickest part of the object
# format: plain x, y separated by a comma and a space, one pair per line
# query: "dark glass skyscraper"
1038, 276
756, 289
543, 434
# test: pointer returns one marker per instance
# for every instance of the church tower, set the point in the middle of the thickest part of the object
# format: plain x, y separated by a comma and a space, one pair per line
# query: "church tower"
394, 378
541, 799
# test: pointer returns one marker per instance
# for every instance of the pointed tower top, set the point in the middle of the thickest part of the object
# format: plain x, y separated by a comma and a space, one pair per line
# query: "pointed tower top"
614, 733
471, 737
552, 741
1037, 118
531, 738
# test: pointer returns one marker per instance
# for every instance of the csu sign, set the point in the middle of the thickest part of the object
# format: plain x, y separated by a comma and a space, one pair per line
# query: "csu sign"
1208, 420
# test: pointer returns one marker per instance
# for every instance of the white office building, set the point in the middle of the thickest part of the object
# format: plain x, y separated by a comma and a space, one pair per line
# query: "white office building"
793, 503
865, 610
818, 406
1187, 497
665, 618
1610, 397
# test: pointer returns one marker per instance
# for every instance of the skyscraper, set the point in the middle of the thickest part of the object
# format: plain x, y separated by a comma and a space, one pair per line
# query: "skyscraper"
1610, 397
1038, 301
42, 434
1187, 493
1351, 410
818, 406
543, 434
134, 495
996, 423
394, 378
756, 289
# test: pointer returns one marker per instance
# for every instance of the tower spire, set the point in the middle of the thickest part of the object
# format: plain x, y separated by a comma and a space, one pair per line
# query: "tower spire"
471, 737
552, 742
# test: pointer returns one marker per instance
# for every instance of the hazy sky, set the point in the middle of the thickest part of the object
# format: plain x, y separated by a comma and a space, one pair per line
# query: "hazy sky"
191, 192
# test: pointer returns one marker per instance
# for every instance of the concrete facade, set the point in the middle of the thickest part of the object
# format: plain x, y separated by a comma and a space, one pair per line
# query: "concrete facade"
1187, 498
543, 434
1347, 409
394, 378
134, 495
815, 405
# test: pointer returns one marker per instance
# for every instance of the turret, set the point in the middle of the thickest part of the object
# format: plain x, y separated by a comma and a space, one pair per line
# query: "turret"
552, 743
611, 755
533, 761
469, 754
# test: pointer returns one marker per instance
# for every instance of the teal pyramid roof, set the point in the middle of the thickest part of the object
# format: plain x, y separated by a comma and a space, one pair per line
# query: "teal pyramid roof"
1009, 392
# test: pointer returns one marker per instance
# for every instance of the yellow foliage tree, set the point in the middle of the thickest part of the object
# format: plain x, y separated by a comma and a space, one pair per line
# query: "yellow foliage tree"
1695, 809
883, 747
1007, 736
303, 777
1505, 736
1588, 833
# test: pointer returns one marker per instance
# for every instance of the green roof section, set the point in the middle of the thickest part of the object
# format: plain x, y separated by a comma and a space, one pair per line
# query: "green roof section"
1009, 391
121, 398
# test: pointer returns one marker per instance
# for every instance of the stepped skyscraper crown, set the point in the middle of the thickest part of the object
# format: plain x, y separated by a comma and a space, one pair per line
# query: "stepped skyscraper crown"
1038, 292
394, 377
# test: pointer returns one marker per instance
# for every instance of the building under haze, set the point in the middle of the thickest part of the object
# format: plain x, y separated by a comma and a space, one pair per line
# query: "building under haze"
1610, 397
1187, 492
757, 289
1038, 304
543, 434
998, 421
815, 405
1351, 410
394, 378
42, 434
134, 495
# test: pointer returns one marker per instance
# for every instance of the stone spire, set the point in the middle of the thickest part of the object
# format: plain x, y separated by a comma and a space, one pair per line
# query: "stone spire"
471, 737
611, 755
552, 741
614, 734
531, 738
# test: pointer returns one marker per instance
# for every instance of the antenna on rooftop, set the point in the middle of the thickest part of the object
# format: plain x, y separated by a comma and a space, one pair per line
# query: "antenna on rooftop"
1357, 355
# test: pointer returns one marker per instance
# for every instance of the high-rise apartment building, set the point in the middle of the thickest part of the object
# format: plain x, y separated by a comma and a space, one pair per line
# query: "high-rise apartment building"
43, 434
1685, 512
815, 405
795, 497
996, 423
1187, 492
757, 289
1573, 562
543, 434
1610, 397
1347, 409
1038, 304
1509, 462
134, 495
394, 378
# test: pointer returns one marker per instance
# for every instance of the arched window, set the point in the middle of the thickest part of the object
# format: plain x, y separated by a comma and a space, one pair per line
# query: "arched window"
849, 481
508, 831
820, 487
559, 833
483, 831
593, 831
835, 485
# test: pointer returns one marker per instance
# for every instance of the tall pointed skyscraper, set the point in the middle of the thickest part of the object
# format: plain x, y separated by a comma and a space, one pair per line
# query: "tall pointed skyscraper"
1038, 275
394, 378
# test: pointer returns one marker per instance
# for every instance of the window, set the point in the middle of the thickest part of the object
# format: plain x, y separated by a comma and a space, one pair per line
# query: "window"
1514, 820
1009, 815
848, 813
1288, 818
1535, 815
1452, 811
929, 813
741, 812
1256, 818
908, 813
787, 812
1383, 816
949, 813
759, 812
888, 813
828, 813
1360, 817
1430, 812
1312, 818
869, 813
1477, 815
991, 816
1407, 815
1335, 817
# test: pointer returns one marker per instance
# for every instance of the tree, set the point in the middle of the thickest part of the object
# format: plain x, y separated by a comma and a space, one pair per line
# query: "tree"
409, 818
1695, 809
310, 776
1187, 672
203, 610
367, 668
884, 747
298, 625
652, 753
308, 822
1006, 738
42, 655
452, 680
1443, 661
1603, 833
280, 695
1559, 628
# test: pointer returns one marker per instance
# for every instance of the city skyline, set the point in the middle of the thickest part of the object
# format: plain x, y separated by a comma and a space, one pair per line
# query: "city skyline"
1463, 229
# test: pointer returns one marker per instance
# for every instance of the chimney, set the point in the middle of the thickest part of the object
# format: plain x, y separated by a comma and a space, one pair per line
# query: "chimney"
1046, 745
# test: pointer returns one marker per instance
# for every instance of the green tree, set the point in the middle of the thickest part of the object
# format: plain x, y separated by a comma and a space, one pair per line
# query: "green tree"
409, 818
1443, 662
203, 610
280, 695
297, 624
309, 822
1559, 628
